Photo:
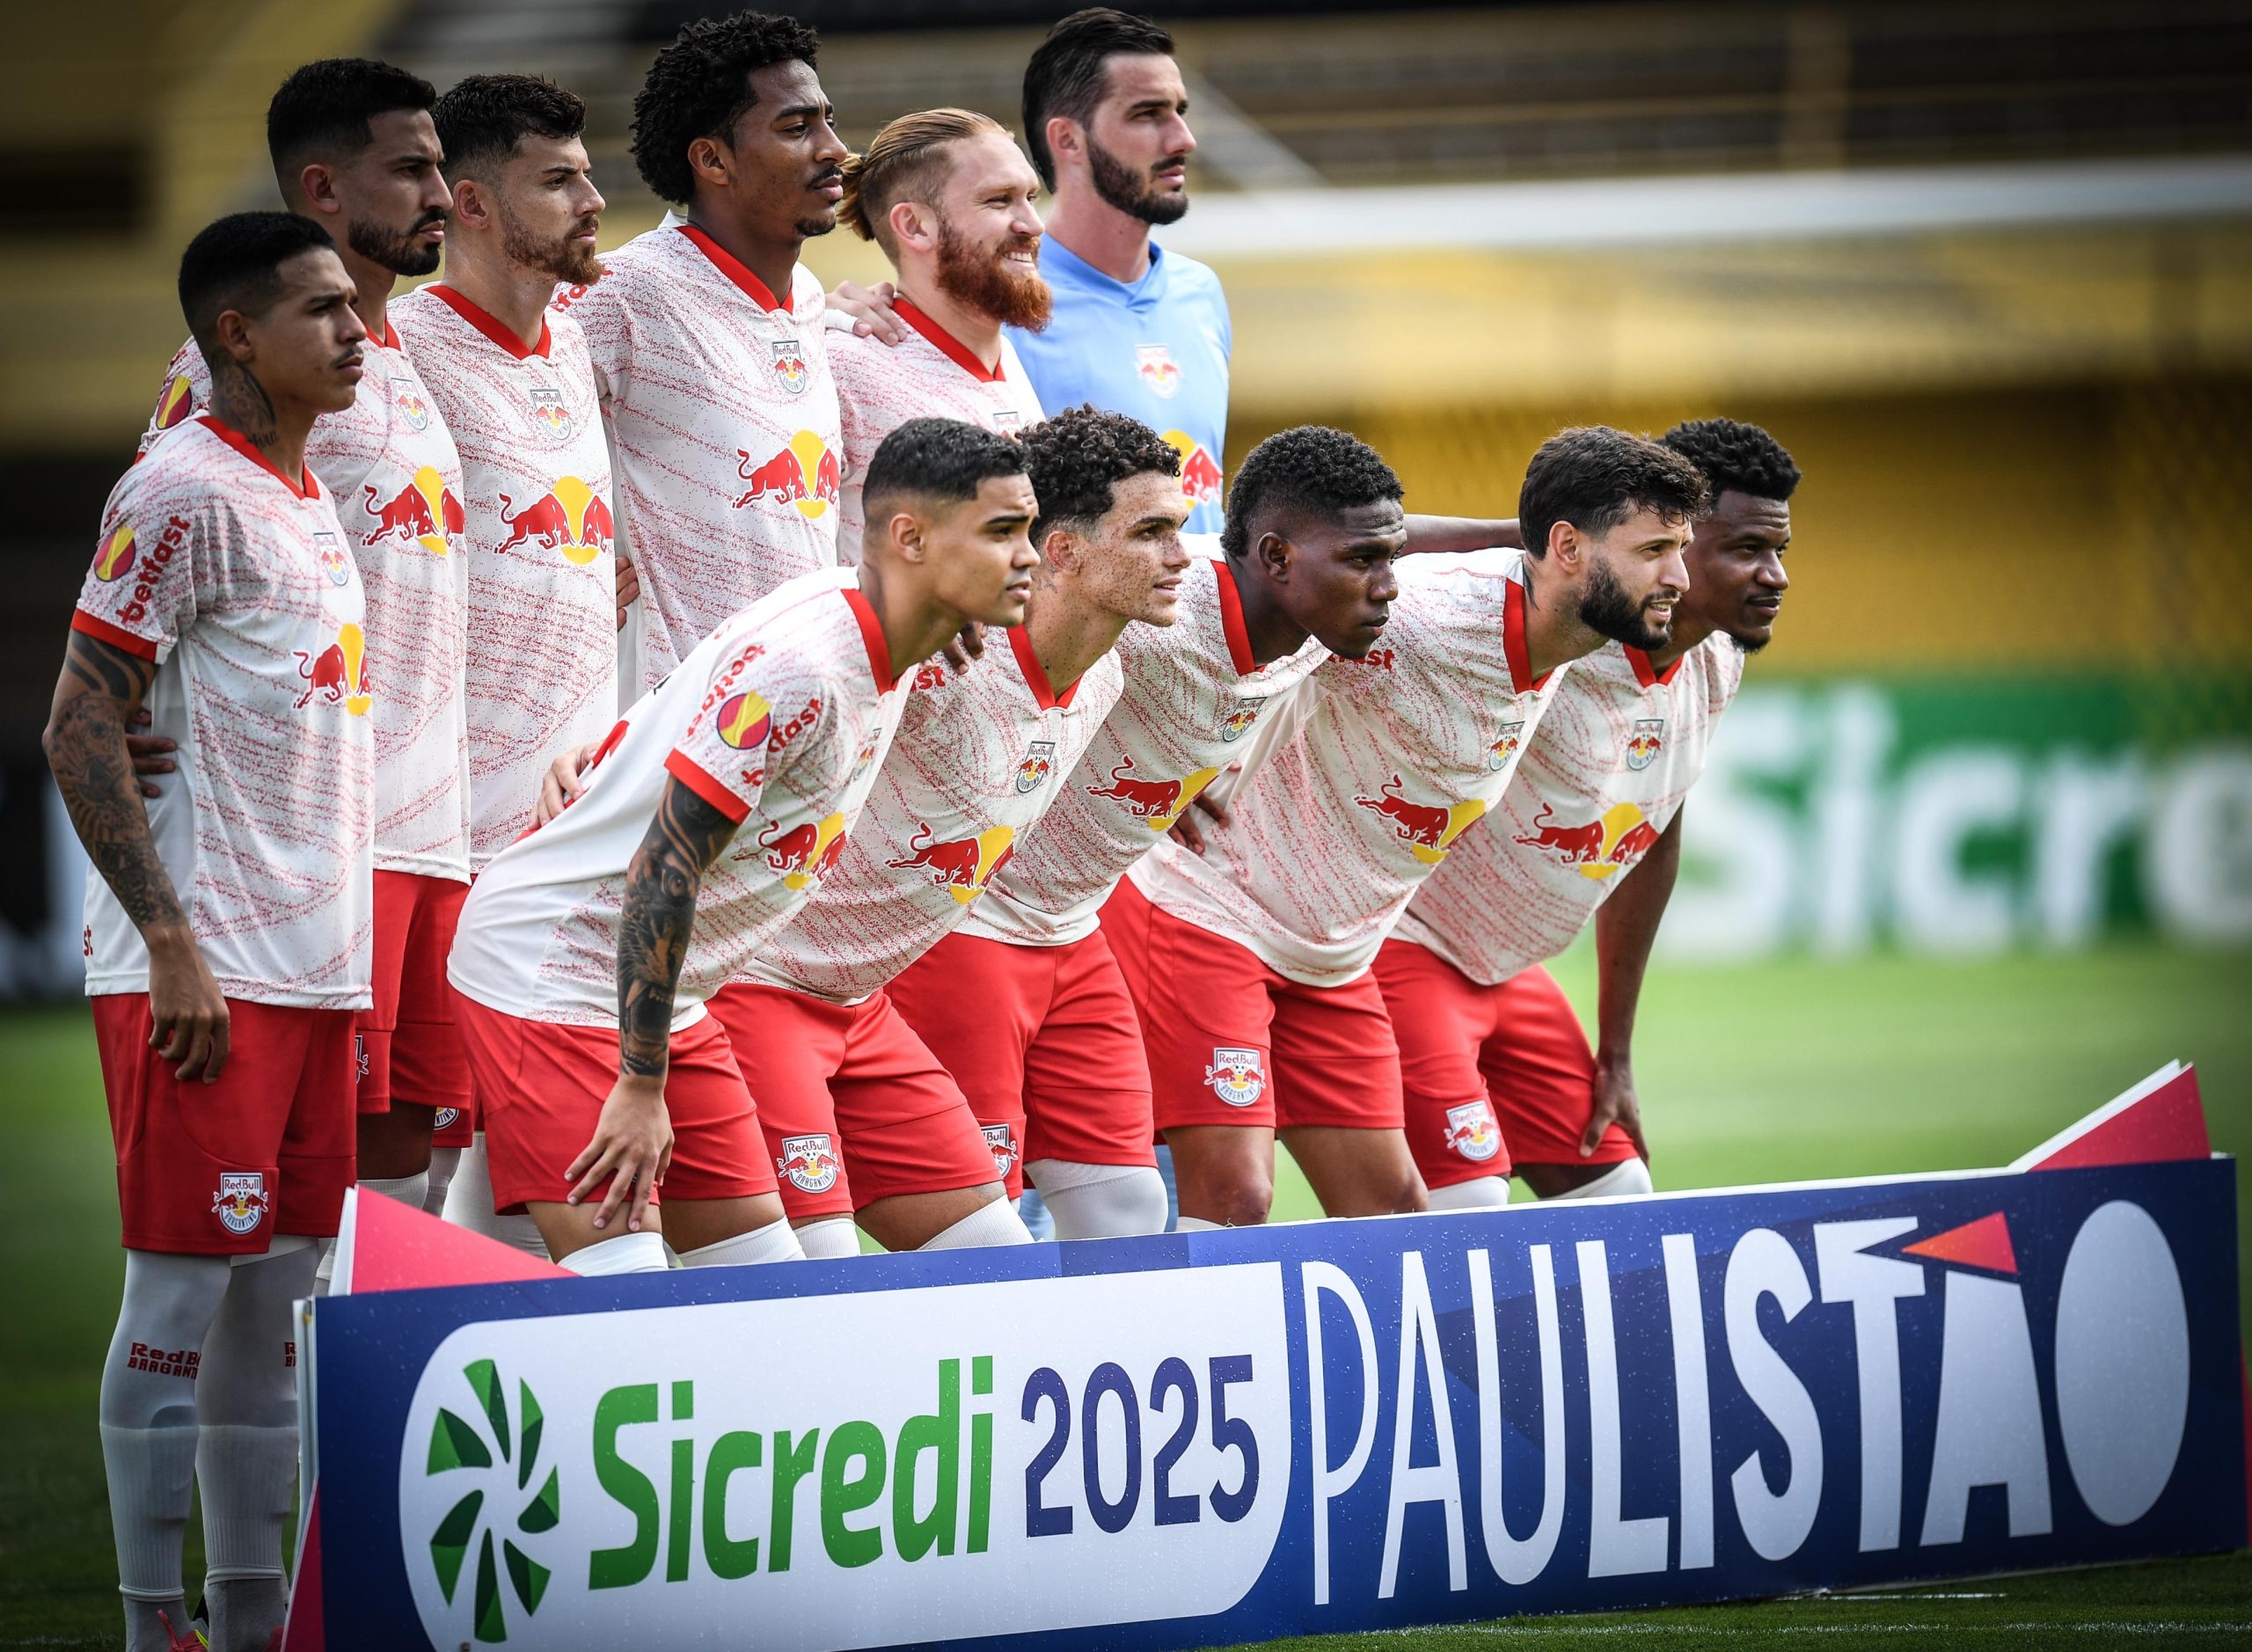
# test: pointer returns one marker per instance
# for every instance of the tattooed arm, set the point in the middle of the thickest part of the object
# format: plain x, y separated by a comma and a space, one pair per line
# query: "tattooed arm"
632, 1141
96, 700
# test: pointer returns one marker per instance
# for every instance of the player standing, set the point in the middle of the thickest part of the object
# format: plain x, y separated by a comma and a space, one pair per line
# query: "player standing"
706, 336
353, 149
516, 389
950, 199
860, 1116
228, 935
590, 948
1250, 962
1590, 826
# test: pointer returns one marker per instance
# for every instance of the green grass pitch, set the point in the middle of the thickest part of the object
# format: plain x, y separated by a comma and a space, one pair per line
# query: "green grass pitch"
1755, 1073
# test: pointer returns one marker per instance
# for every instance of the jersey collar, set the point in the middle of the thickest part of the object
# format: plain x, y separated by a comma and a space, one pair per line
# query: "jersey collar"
1644, 674
487, 323
871, 634
735, 270
1232, 624
1058, 260
1044, 694
1514, 647
952, 349
244, 445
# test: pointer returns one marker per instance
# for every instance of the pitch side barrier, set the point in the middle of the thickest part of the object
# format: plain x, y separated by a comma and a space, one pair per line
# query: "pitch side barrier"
1227, 1437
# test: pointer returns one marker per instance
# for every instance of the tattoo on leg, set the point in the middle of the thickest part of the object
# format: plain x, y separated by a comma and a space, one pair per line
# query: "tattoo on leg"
661, 888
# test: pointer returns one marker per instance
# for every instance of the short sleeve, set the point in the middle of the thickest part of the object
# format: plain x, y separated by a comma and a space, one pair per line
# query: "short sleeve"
744, 732
139, 593
185, 393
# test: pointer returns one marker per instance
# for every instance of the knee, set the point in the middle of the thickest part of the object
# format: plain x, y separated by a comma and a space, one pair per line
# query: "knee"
1237, 1198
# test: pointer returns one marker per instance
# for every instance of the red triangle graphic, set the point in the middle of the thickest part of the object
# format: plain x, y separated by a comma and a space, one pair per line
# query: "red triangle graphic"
305, 1628
397, 1247
2166, 1123
1984, 1243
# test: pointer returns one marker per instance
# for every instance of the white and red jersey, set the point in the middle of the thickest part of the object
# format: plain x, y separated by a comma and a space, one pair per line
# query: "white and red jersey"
1400, 753
1192, 697
723, 429
239, 584
779, 720
541, 671
1604, 777
980, 755
389, 466
928, 375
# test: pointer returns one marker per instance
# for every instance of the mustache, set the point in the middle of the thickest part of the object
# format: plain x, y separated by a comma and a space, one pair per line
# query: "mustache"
827, 175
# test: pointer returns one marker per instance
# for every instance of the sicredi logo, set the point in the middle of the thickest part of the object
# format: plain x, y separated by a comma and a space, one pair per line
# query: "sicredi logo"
944, 1439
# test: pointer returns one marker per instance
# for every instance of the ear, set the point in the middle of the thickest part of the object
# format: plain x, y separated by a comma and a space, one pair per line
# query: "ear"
905, 534
913, 224
1565, 545
1060, 551
1275, 553
317, 186
709, 160
470, 205
1064, 137
233, 330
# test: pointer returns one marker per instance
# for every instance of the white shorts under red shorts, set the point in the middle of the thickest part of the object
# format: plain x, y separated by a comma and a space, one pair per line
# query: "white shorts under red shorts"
854, 1105
541, 1088
219, 1169
1494, 1076
1043, 1040
1232, 1043
410, 1049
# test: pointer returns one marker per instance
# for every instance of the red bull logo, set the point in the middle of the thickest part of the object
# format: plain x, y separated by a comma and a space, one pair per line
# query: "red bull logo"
570, 517
790, 369
1000, 1139
1039, 763
406, 396
175, 402
745, 721
424, 512
1645, 742
1237, 722
1506, 745
337, 674
240, 1203
961, 868
1159, 370
809, 1163
1236, 1076
115, 558
1200, 471
1473, 1131
804, 854
329, 553
1601, 848
1428, 830
1156, 804
550, 412
804, 475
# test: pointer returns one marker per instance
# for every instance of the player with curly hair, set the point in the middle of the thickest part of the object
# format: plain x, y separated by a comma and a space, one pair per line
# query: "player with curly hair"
1500, 1080
706, 335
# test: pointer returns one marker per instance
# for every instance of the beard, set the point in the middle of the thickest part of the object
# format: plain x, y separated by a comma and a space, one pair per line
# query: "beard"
1607, 610
400, 253
980, 279
1748, 645
561, 258
1122, 188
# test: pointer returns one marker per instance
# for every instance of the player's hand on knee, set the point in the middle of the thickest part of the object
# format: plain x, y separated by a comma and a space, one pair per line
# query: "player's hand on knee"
151, 754
565, 779
966, 645
868, 311
1615, 1103
631, 1149
629, 590
187, 1012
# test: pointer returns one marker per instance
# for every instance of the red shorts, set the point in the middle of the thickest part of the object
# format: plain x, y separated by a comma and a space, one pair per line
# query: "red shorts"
219, 1169
1495, 1076
541, 1088
1050, 1055
1231, 1041
854, 1108
410, 1049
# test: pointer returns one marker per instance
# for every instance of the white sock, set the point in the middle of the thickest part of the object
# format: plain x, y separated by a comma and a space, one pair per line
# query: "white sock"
468, 1203
627, 1253
996, 1222
246, 1462
829, 1237
1480, 1192
1628, 1177
244, 1612
443, 1162
773, 1243
408, 1190
1099, 1200
1195, 1224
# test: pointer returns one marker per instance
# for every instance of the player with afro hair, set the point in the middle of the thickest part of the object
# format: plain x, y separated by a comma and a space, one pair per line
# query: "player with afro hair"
1736, 559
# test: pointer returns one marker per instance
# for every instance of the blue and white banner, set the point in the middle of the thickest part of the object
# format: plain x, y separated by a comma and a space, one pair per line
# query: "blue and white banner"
1228, 1436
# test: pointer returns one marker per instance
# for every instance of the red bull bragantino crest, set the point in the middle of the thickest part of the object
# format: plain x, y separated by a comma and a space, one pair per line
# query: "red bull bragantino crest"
1473, 1131
1600, 848
240, 1203
570, 517
804, 475
1428, 828
809, 1163
790, 366
1505, 746
1199, 470
1644, 744
1237, 1076
1240, 718
1159, 370
1039, 763
424, 512
551, 413
1001, 1139
338, 675
329, 551
406, 395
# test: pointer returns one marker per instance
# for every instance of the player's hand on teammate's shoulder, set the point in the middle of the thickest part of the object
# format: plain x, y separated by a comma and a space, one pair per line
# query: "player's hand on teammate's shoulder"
1615, 1103
967, 644
188, 1013
565, 779
151, 754
629, 590
867, 310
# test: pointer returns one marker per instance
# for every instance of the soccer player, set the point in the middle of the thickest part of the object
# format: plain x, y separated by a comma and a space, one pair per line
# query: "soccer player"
228, 934
590, 948
706, 336
950, 199
1250, 962
515, 388
981, 752
353, 149
1498, 1075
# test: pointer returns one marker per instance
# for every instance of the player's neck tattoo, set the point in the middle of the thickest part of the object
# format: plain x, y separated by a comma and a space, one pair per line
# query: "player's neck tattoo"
241, 401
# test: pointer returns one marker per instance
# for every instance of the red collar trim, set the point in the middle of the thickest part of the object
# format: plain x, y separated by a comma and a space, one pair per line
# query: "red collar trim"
1043, 692
735, 270
243, 445
1232, 624
952, 349
389, 339
871, 634
1644, 674
1514, 647
487, 323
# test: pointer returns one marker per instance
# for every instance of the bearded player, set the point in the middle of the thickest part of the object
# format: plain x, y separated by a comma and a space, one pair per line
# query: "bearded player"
1250, 962
1498, 1075
516, 389
950, 199
590, 947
